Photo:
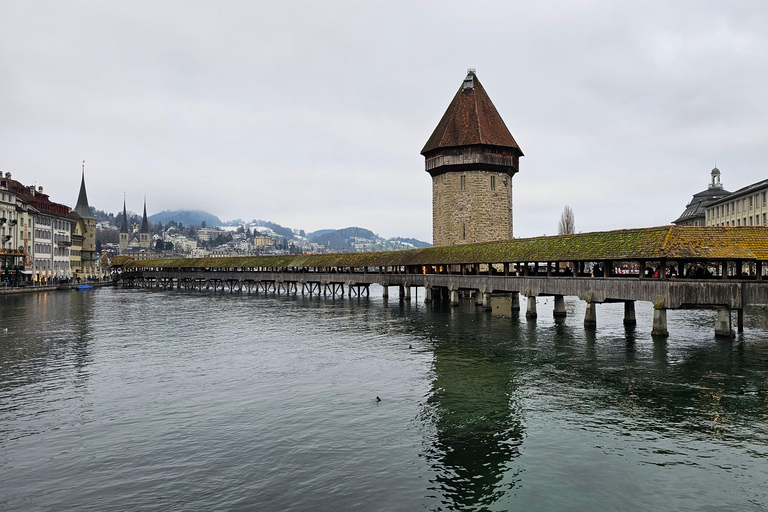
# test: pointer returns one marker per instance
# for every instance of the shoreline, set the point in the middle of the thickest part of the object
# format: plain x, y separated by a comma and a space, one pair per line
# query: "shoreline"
49, 288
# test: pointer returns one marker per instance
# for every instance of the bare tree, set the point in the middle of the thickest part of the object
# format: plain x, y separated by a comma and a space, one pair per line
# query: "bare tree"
567, 225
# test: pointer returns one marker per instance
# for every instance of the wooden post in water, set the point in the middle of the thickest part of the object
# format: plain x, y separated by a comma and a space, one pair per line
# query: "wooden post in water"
659, 318
723, 327
530, 310
559, 311
590, 316
629, 313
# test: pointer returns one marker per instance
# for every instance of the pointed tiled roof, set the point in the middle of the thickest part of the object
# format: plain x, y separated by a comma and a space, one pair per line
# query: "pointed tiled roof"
124, 225
82, 208
144, 222
471, 119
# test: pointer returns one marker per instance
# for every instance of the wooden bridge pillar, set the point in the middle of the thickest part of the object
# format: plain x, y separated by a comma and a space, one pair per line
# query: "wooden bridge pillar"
740, 320
454, 297
530, 310
659, 322
723, 326
427, 294
405, 292
515, 301
629, 313
559, 311
590, 316
384, 290
487, 301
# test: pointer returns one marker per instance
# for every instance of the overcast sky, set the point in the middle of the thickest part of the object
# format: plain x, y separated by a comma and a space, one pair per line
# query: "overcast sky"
312, 114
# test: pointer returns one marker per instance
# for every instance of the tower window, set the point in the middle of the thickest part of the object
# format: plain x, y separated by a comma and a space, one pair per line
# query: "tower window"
463, 229
463, 182
493, 182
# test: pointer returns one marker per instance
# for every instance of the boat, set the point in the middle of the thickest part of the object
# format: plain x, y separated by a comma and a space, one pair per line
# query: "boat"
84, 287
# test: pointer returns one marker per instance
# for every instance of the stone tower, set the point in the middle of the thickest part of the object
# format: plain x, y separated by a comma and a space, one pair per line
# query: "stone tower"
125, 235
83, 209
144, 237
472, 158
88, 257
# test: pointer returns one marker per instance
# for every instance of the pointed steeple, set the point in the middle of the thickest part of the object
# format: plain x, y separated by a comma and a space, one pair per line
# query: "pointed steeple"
124, 225
470, 120
144, 222
82, 208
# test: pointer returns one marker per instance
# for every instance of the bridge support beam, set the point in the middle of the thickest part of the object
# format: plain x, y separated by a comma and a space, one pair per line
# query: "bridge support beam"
487, 301
385, 291
530, 310
740, 320
455, 298
723, 325
405, 292
515, 301
590, 316
629, 313
427, 294
559, 311
659, 322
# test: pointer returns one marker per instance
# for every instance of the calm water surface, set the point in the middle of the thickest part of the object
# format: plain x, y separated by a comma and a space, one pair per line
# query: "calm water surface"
151, 400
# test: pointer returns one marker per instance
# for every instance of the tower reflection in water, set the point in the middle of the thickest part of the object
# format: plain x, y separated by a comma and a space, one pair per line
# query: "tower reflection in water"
473, 407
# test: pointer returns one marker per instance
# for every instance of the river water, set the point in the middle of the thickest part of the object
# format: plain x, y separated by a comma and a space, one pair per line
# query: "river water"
154, 400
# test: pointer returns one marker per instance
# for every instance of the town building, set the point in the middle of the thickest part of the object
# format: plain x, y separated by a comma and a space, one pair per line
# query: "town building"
744, 207
43, 228
8, 220
695, 211
472, 157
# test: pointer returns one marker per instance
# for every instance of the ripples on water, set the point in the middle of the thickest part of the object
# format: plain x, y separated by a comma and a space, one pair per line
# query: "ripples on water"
149, 400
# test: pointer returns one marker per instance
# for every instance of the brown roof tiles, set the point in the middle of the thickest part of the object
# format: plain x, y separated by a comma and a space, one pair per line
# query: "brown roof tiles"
471, 119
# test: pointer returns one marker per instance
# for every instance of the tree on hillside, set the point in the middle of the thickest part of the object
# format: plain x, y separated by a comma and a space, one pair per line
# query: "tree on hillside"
567, 225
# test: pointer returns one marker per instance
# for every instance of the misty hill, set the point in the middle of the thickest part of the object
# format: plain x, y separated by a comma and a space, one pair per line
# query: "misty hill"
277, 228
414, 242
344, 239
186, 217
360, 239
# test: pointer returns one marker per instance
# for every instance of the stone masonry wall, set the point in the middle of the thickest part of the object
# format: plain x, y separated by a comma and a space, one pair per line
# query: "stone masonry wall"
475, 214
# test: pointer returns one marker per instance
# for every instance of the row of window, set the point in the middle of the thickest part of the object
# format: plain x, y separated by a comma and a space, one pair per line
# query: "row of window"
746, 221
463, 182
739, 206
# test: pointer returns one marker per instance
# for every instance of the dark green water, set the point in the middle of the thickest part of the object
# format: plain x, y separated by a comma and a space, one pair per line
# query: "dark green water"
144, 400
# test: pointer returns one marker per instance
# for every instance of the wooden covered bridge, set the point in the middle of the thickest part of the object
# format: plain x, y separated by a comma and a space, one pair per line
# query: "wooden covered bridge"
674, 267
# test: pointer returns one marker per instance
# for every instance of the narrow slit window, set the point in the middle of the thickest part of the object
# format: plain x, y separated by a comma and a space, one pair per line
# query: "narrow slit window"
463, 182
493, 182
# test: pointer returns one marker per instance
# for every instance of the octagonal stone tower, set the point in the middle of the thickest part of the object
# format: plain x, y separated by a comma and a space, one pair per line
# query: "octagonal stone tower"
472, 158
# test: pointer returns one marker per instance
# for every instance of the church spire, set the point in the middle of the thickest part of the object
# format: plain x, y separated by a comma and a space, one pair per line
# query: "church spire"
144, 222
82, 208
124, 225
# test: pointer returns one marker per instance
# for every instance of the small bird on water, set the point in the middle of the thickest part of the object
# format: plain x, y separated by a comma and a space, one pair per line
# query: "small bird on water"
378, 399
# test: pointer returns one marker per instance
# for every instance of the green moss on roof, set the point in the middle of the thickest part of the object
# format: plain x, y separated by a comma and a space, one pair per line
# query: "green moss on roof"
666, 242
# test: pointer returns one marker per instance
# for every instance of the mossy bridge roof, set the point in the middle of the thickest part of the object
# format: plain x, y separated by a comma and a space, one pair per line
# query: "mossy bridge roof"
649, 244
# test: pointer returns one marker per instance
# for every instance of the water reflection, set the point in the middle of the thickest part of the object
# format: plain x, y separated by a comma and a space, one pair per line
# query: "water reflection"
475, 412
47, 342
603, 379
